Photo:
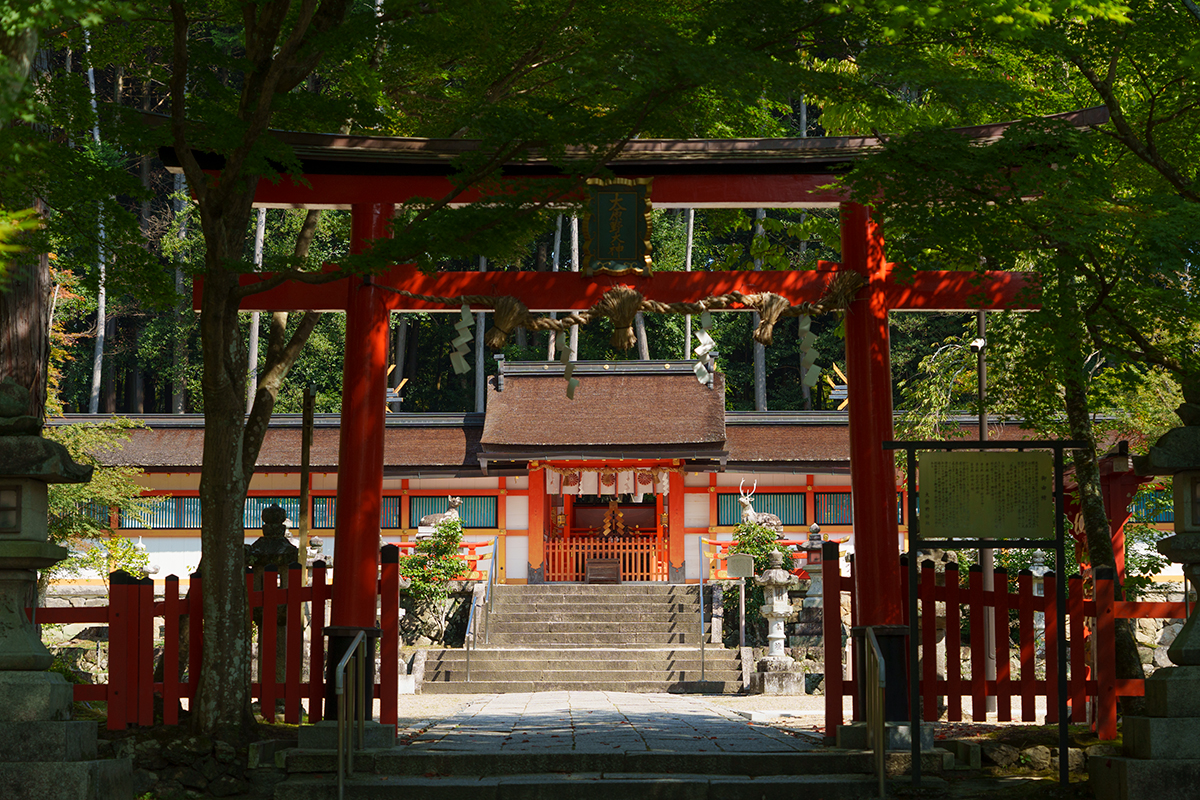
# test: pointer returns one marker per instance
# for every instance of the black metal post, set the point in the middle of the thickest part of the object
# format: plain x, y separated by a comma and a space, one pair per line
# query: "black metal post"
339, 638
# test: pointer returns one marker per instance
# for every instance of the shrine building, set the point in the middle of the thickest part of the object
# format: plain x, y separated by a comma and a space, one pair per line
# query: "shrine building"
639, 466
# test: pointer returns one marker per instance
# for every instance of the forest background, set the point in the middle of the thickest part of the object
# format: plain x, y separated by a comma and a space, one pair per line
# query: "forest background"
1106, 218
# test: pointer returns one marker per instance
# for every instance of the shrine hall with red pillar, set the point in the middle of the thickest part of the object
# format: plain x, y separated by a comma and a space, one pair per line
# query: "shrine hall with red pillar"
372, 176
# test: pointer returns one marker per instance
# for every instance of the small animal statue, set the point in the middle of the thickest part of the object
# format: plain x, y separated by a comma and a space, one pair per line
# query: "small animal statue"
431, 520
758, 518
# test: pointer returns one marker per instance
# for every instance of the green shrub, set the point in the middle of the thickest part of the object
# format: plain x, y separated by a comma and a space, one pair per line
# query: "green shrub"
434, 563
757, 541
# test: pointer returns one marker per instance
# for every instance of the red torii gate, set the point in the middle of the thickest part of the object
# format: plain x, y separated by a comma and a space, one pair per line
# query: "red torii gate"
689, 173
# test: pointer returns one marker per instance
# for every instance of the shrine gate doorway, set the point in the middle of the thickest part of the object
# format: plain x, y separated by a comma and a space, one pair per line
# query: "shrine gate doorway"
371, 176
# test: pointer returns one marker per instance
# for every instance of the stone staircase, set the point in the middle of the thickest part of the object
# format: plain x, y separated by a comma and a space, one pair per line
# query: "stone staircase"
390, 774
624, 638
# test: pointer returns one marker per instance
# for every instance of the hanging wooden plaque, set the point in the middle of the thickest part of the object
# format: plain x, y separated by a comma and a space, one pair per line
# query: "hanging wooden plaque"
616, 234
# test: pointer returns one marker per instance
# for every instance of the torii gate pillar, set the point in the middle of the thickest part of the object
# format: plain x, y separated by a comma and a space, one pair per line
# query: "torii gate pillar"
872, 471
360, 451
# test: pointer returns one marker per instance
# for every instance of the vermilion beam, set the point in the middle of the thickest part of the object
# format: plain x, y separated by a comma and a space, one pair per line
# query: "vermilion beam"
724, 191
360, 450
557, 291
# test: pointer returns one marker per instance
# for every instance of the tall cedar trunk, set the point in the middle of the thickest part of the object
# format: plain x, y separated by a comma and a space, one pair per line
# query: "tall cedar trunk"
25, 328
1087, 473
223, 703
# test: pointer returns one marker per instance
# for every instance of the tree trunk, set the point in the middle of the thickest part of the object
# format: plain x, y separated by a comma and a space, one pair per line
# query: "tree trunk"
643, 344
1087, 472
25, 328
222, 705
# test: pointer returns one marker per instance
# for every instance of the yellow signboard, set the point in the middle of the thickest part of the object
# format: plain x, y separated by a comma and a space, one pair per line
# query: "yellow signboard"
986, 495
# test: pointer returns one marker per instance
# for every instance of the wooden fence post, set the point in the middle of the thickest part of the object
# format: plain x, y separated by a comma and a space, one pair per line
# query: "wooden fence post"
831, 616
929, 687
1050, 606
144, 652
1106, 653
119, 654
1028, 644
1078, 685
389, 640
953, 645
195, 633
1002, 602
978, 643
294, 646
316, 643
172, 610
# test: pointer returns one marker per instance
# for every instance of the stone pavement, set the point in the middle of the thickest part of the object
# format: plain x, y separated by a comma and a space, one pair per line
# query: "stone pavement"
598, 722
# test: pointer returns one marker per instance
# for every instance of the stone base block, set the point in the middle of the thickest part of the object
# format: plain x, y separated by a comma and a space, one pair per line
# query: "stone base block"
323, 735
34, 697
48, 741
898, 734
1161, 737
1121, 778
108, 779
776, 683
1173, 692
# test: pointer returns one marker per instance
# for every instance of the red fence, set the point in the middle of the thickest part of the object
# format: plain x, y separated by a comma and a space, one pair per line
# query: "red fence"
132, 612
1090, 623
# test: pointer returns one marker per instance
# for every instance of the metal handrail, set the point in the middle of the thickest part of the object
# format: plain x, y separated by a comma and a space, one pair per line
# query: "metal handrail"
350, 683
469, 638
874, 690
487, 595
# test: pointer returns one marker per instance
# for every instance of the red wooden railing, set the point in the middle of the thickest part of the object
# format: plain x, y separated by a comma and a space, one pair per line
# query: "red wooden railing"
643, 557
132, 611
1098, 614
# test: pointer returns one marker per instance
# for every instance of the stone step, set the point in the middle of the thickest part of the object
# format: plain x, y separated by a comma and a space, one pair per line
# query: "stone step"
583, 786
576, 607
561, 660
715, 682
409, 761
496, 672
583, 638
511, 626
648, 684
651, 588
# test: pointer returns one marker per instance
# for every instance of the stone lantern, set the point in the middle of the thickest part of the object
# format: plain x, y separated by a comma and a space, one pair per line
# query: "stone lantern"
776, 672
816, 589
42, 750
1161, 750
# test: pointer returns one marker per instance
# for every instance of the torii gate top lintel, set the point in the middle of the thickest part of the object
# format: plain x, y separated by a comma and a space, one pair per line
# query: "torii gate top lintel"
339, 171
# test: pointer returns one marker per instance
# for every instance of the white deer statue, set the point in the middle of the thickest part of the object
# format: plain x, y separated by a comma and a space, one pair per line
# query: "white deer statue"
757, 517
431, 520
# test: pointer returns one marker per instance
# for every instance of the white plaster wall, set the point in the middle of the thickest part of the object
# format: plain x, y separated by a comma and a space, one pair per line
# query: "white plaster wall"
324, 480
691, 556
516, 557
275, 481
695, 479
516, 513
764, 479
174, 555
520, 482
451, 484
831, 480
695, 511
174, 481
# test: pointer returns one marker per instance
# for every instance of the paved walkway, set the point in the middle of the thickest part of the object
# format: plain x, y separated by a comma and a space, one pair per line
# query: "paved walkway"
597, 722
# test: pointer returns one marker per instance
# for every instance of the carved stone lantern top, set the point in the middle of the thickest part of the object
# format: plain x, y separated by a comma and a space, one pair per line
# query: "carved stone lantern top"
775, 576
